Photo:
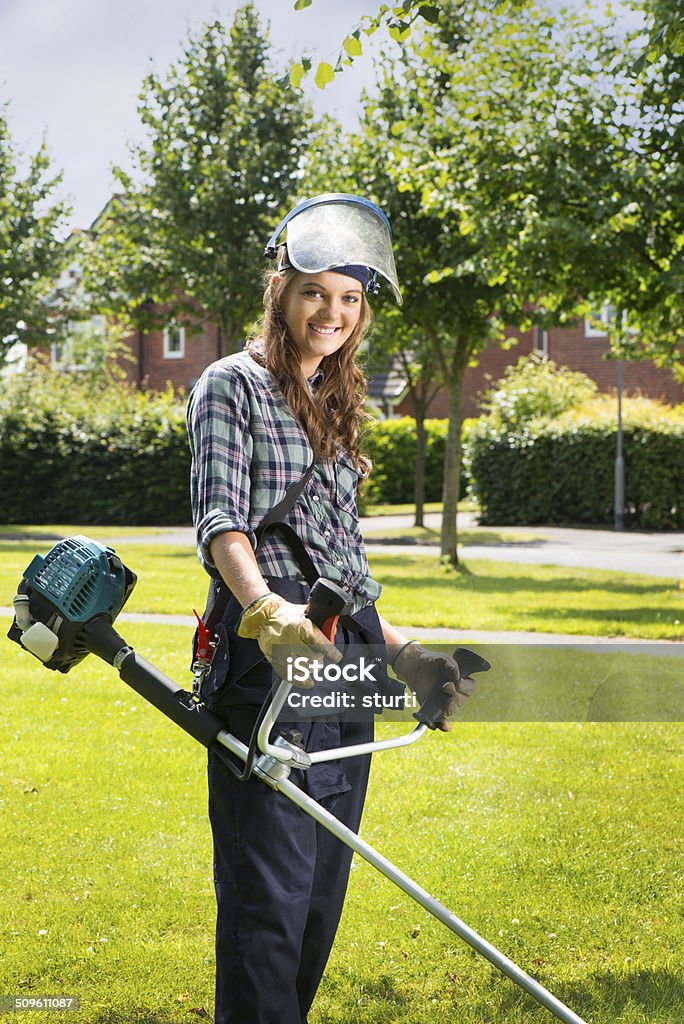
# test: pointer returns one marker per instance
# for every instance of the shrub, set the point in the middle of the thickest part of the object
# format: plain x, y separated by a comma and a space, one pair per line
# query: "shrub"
535, 387
83, 448
562, 470
391, 444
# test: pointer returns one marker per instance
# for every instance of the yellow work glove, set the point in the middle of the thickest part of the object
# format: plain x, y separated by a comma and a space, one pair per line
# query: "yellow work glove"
281, 628
422, 670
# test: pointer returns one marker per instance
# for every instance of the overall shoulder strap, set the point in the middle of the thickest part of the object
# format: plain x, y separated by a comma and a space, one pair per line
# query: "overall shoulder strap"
273, 521
286, 503
219, 594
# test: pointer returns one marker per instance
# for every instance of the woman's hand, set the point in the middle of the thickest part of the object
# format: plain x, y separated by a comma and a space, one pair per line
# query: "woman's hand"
423, 670
283, 631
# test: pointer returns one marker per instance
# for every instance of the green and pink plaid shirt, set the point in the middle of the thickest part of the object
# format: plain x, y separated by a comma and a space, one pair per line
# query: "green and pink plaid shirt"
247, 449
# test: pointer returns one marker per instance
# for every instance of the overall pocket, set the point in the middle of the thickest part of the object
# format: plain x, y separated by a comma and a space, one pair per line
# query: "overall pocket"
233, 659
215, 679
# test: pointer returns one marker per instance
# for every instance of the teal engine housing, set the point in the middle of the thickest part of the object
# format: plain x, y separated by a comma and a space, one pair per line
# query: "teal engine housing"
78, 580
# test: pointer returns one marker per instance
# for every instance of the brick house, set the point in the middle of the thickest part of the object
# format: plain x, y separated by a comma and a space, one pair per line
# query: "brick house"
172, 355
581, 347
175, 355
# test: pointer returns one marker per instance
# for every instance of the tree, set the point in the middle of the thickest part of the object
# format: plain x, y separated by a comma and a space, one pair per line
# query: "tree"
395, 338
645, 282
495, 154
398, 20
665, 31
225, 141
31, 251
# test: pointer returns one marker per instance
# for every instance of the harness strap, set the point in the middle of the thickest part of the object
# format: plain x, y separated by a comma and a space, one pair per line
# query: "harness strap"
302, 556
219, 593
286, 503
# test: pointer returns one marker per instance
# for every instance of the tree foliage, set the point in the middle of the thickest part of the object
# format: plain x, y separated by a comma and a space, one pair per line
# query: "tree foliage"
665, 31
496, 155
398, 20
31, 220
646, 283
225, 140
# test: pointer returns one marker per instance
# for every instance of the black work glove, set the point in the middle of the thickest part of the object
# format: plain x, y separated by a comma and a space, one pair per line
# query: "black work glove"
422, 670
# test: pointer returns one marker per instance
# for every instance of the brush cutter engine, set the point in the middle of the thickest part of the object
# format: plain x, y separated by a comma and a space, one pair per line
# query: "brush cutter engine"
79, 580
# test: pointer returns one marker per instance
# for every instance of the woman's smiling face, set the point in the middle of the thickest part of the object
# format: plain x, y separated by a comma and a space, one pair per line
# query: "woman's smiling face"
321, 312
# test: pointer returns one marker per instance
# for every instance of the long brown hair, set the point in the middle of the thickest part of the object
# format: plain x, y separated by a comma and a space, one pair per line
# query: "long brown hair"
331, 417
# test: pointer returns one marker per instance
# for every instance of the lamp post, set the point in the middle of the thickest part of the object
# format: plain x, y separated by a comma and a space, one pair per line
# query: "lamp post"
619, 497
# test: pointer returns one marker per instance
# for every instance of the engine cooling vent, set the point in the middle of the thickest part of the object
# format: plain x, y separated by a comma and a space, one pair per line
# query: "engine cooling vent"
73, 576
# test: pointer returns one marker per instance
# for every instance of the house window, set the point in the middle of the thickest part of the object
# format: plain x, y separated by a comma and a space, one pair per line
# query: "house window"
597, 324
540, 339
174, 342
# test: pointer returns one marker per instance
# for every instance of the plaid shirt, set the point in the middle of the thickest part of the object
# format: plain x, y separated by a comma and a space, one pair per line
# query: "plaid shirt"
247, 449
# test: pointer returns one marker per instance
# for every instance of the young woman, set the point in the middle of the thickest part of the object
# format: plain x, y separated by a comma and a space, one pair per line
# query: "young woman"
282, 418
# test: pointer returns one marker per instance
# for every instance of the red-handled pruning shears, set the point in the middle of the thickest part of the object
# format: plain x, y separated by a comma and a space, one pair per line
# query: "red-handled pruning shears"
204, 653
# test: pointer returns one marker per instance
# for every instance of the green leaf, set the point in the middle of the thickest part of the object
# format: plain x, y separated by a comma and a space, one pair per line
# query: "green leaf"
296, 75
399, 31
301, 4
352, 46
430, 14
370, 25
324, 75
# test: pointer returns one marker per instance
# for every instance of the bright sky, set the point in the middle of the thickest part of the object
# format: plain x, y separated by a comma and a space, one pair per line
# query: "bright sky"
71, 70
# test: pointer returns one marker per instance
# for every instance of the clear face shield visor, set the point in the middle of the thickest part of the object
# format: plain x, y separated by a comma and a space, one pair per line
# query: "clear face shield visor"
337, 230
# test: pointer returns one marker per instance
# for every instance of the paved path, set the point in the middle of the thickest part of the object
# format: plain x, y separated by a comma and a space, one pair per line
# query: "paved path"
653, 554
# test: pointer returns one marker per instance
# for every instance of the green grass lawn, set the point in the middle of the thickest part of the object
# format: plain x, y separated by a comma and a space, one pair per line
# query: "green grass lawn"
465, 505
559, 842
508, 596
57, 531
410, 508
490, 595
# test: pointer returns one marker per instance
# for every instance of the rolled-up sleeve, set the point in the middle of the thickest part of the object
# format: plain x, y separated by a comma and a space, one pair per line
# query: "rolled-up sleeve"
221, 447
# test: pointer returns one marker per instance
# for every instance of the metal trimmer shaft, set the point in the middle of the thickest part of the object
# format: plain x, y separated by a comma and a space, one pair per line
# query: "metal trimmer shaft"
433, 906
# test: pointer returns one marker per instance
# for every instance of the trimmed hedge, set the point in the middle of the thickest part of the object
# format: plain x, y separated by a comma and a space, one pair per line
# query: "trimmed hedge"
75, 449
391, 445
82, 450
562, 470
